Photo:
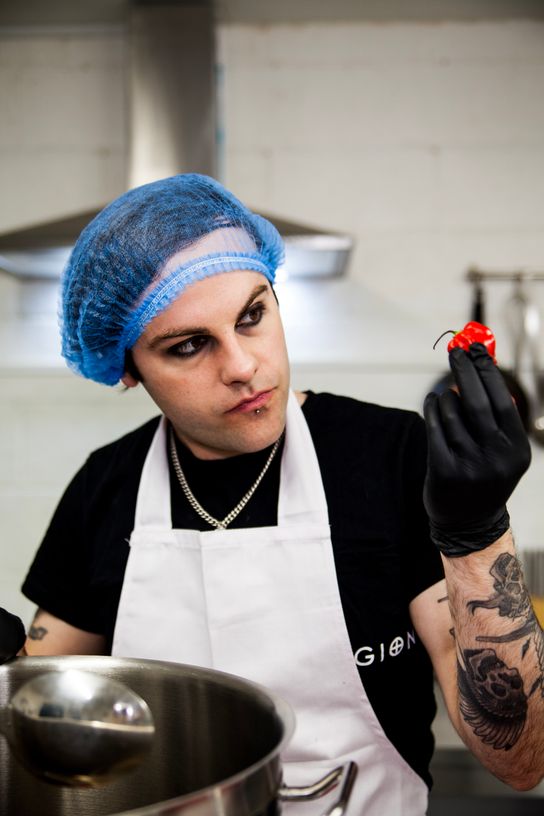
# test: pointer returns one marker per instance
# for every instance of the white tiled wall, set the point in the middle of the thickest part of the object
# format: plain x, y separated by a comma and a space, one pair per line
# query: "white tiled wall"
63, 137
425, 141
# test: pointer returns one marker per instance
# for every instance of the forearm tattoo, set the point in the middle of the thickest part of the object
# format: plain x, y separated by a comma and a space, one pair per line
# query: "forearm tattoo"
37, 632
452, 630
511, 599
492, 697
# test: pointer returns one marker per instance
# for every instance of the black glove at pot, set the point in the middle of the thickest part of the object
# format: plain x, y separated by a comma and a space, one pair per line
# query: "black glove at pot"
477, 453
12, 635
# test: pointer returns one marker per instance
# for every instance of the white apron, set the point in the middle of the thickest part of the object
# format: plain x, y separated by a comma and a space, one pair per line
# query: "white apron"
263, 603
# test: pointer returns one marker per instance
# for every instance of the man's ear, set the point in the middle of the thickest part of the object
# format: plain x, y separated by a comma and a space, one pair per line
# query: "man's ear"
129, 381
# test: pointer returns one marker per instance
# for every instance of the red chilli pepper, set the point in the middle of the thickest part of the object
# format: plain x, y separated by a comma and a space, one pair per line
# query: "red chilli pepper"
472, 333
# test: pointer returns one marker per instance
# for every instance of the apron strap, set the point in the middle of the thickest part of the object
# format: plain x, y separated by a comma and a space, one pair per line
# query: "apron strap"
153, 502
302, 497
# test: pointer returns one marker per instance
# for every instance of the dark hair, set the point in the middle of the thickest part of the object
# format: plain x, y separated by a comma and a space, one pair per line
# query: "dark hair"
131, 367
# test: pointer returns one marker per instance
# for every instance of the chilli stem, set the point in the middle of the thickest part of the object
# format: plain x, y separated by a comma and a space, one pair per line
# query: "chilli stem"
448, 331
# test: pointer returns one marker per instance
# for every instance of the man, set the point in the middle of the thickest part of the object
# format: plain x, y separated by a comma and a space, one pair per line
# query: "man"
280, 536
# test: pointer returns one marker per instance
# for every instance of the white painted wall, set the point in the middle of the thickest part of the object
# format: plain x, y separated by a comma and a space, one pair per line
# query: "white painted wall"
426, 142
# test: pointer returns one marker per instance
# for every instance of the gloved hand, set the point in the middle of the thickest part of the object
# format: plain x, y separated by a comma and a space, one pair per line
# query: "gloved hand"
477, 453
12, 635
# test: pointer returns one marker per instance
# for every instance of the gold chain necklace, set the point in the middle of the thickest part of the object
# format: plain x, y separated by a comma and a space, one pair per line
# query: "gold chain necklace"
197, 507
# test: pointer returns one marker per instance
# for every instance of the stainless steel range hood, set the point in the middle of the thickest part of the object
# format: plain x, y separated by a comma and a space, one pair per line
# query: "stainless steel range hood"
171, 88
40, 253
172, 123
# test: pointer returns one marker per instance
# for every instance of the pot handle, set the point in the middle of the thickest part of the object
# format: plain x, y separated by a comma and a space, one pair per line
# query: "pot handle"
344, 776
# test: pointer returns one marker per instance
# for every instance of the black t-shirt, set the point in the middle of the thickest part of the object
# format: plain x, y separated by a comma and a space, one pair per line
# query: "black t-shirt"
372, 462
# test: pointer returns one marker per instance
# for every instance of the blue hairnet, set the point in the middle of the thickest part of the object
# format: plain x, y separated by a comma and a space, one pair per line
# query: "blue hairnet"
139, 254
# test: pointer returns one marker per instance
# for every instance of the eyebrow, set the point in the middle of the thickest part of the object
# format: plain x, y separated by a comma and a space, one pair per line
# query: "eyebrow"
255, 294
190, 331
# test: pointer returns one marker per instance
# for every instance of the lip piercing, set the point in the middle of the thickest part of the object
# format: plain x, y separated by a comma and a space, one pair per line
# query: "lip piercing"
257, 410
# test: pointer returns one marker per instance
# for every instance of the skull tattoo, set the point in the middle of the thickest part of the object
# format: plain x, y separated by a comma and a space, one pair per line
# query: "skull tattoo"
493, 700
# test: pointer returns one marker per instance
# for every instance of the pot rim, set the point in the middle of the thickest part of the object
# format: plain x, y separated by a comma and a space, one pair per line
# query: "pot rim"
95, 662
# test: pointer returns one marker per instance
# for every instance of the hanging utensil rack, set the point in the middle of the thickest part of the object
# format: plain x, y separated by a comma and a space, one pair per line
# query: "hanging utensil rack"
477, 275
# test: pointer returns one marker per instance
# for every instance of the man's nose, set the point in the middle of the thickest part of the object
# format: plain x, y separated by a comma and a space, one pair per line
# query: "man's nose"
238, 363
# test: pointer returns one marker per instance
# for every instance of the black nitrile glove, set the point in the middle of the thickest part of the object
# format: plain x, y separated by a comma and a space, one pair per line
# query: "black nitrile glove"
12, 635
477, 453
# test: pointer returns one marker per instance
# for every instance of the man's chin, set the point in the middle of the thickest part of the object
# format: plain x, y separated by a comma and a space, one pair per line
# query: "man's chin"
260, 436
235, 444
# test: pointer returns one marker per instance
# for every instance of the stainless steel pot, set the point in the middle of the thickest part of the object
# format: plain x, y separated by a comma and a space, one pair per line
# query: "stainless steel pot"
216, 753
